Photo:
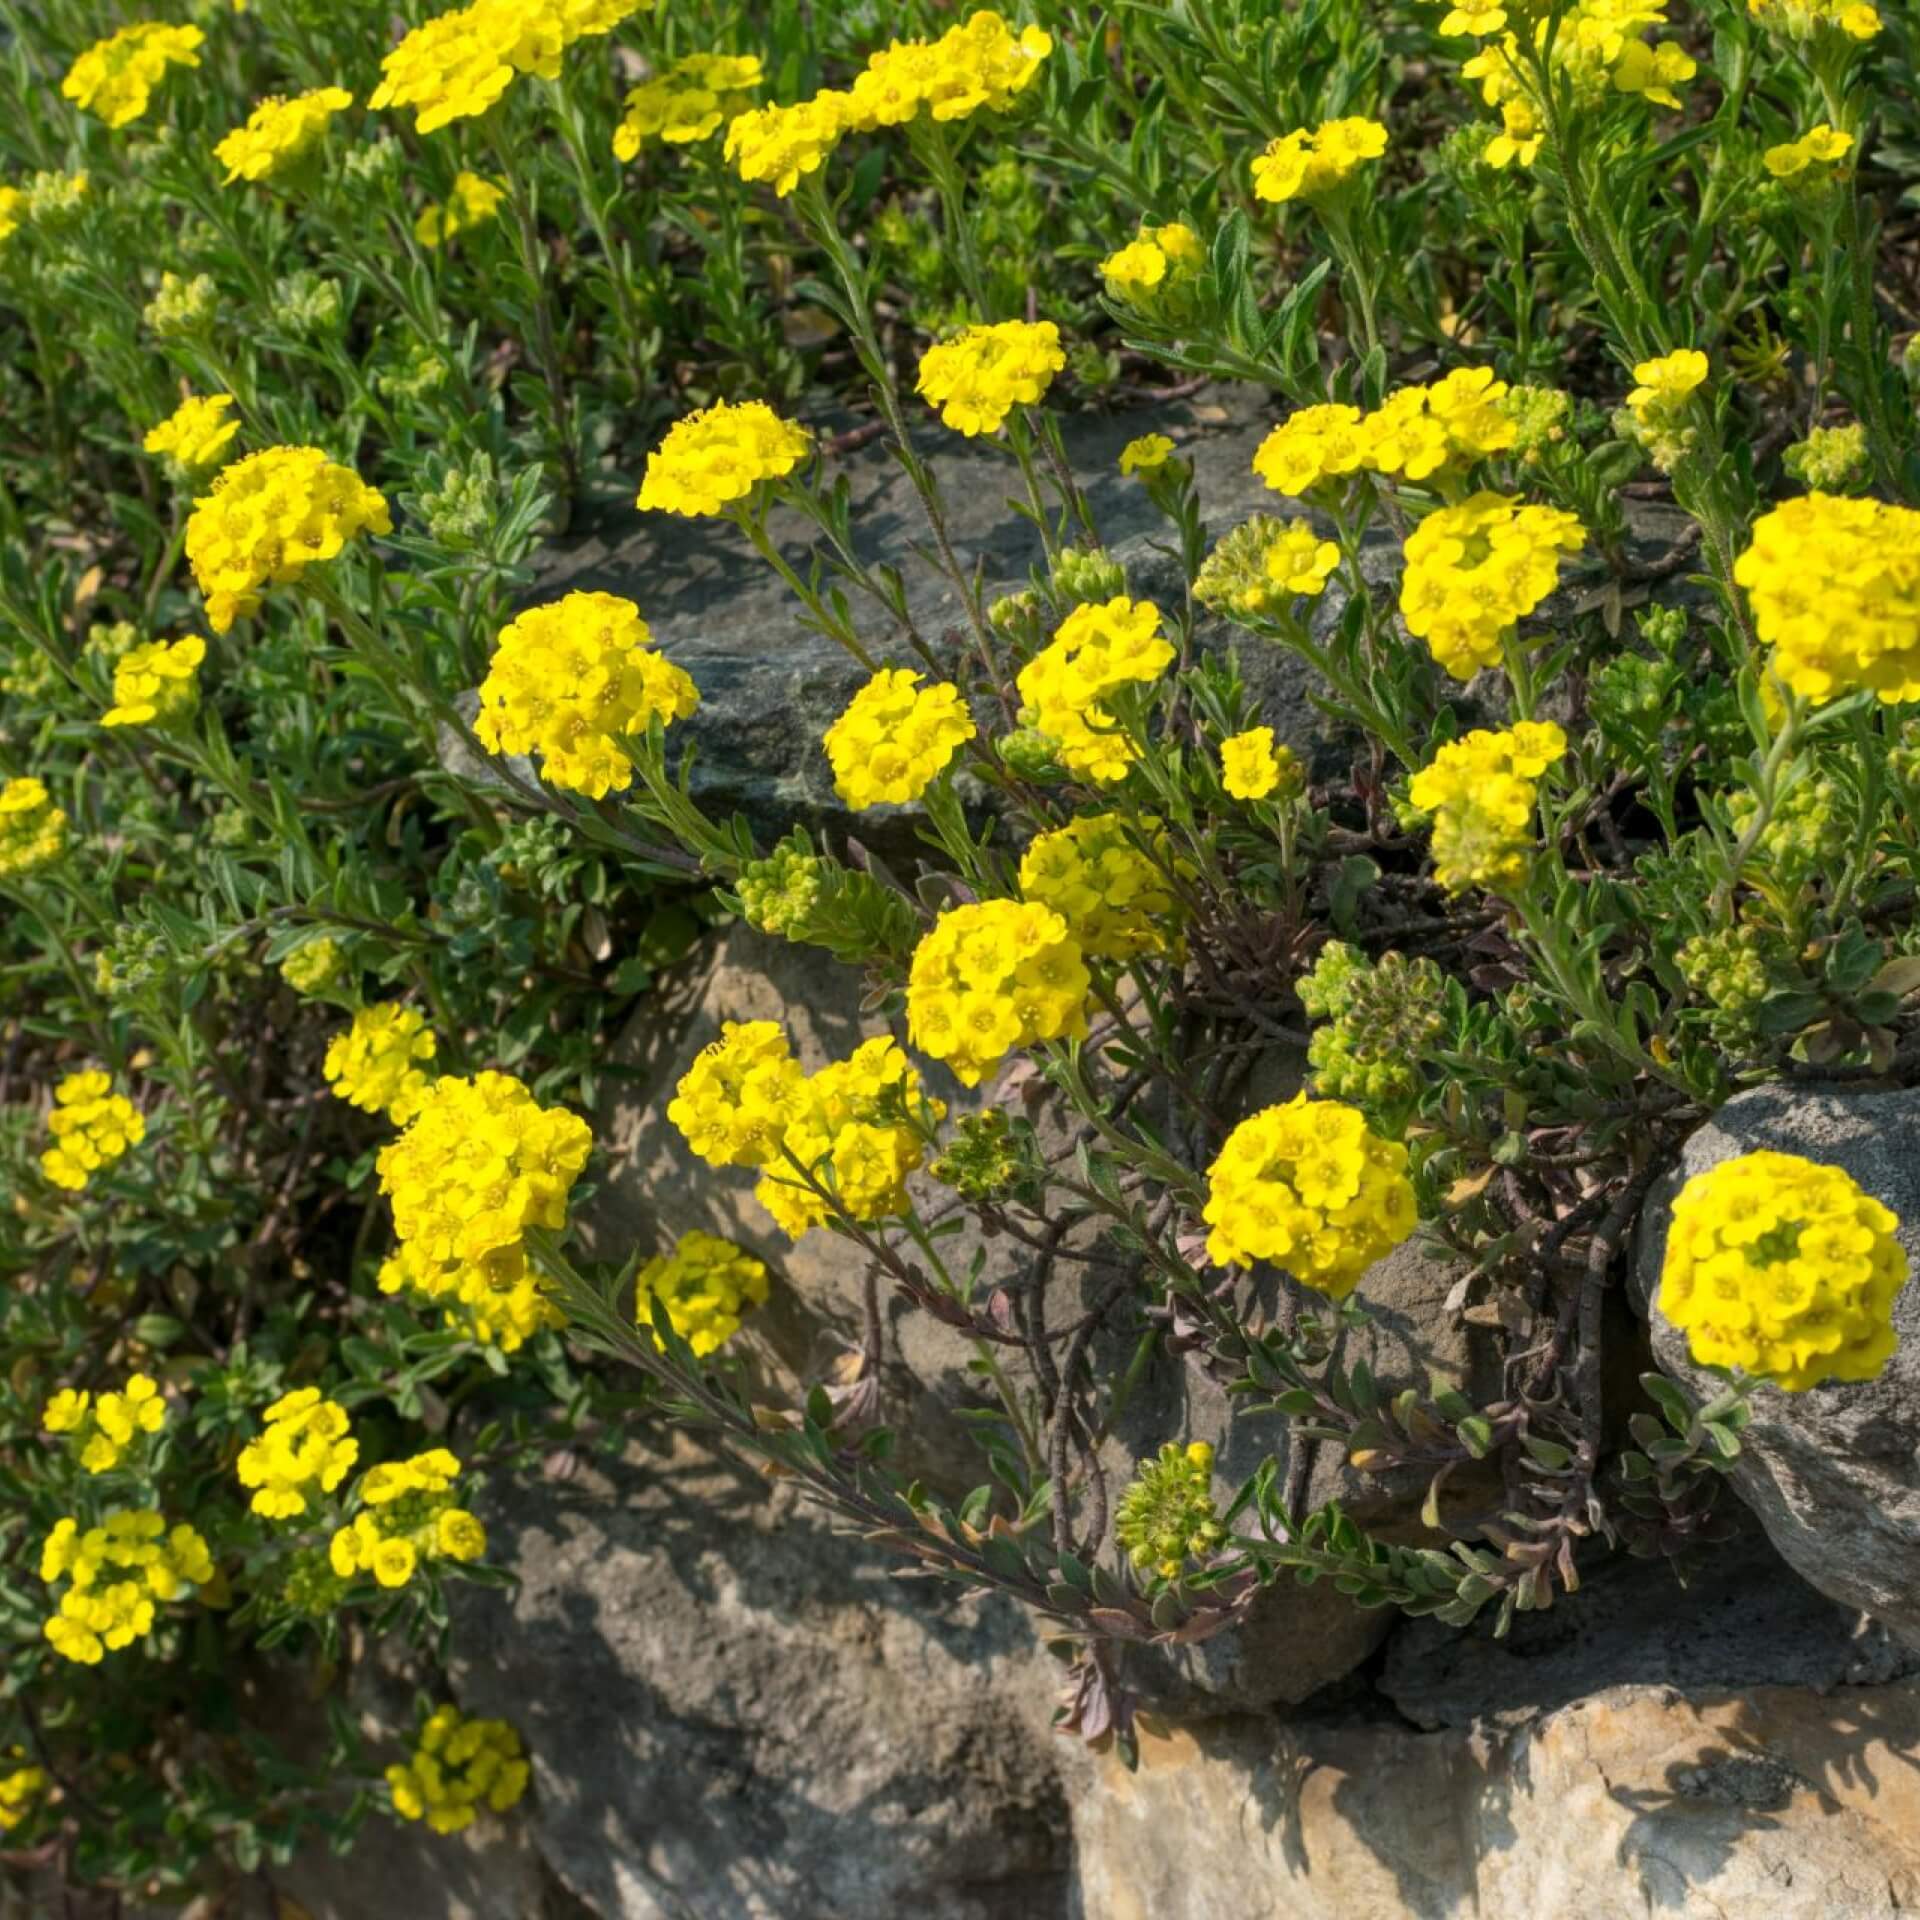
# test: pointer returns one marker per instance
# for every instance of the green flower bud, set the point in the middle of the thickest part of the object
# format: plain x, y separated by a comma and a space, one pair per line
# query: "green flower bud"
1167, 1515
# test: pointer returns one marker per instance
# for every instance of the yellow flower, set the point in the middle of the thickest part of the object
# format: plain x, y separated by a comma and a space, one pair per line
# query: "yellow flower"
577, 682
1161, 258
1665, 384
306, 1450
703, 1289
13, 212
720, 455
1148, 454
458, 64
33, 831
990, 977
92, 1126
1420, 431
460, 1766
896, 738
99, 1615
1310, 163
156, 684
1310, 1187
115, 77
1520, 137
976, 379
267, 519
117, 1419
733, 1104
480, 1163
1785, 1268
1474, 570
473, 201
782, 145
18, 1791
279, 134
1803, 19
1480, 791
1835, 589
196, 434
1115, 895
1820, 147
1097, 649
1312, 445
375, 1064
980, 64
691, 101
1252, 767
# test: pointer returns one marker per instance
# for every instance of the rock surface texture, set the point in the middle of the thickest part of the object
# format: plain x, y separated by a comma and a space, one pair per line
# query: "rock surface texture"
1833, 1473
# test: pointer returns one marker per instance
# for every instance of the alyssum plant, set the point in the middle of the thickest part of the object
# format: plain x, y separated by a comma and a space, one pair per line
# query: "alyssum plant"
309, 980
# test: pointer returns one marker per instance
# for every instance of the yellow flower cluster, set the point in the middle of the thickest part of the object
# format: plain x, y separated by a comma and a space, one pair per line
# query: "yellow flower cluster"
705, 1287
13, 212
407, 1517
691, 101
460, 1766
1664, 386
980, 64
196, 434
1802, 19
1096, 649
1419, 431
19, 1790
472, 202
496, 1302
1480, 791
1311, 445
1835, 588
100, 1614
1821, 146
1476, 569
976, 379
268, 518
279, 134
1117, 899
895, 738
1258, 569
156, 684
480, 1163
992, 976
1311, 162
1252, 767
1595, 47
1785, 1268
782, 145
1167, 1515
1415, 433
719, 455
115, 77
458, 64
734, 1102
33, 831
92, 1126
106, 1427
312, 968
375, 1064
851, 1131
1160, 259
307, 1449
1312, 1188
575, 682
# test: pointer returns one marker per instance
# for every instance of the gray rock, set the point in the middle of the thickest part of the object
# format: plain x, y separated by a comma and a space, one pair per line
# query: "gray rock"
735, 1713
770, 687
1742, 1620
1832, 1473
